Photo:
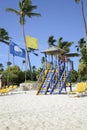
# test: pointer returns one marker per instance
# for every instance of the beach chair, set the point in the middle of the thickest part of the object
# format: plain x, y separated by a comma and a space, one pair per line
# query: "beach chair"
6, 90
14, 86
80, 89
3, 91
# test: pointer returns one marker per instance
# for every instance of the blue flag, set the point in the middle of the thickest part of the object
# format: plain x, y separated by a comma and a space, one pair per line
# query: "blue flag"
16, 50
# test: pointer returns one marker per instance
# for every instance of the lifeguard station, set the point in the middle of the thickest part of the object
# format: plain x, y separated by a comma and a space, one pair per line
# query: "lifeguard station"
56, 73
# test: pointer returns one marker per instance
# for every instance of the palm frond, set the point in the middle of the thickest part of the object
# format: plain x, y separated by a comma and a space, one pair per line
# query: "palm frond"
4, 36
60, 42
77, 1
20, 4
32, 7
7, 43
72, 54
67, 49
35, 53
13, 10
32, 14
51, 41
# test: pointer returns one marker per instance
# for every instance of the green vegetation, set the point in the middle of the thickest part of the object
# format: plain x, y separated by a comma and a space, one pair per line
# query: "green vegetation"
82, 69
83, 17
4, 37
74, 75
25, 9
14, 75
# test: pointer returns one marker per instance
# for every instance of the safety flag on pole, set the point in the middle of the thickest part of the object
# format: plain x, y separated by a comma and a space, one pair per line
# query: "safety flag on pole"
32, 42
16, 50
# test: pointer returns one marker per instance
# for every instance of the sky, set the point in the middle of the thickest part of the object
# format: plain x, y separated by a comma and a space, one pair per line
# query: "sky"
59, 18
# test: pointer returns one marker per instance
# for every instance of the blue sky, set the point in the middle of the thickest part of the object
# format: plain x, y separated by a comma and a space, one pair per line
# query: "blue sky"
60, 18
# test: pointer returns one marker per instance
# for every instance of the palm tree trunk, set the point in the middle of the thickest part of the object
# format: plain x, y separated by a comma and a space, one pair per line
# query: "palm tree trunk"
27, 54
84, 20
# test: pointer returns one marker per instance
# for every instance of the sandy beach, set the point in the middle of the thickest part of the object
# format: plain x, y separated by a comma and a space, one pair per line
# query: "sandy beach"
43, 112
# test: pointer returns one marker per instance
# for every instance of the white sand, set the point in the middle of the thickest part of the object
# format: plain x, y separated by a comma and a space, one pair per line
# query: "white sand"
48, 112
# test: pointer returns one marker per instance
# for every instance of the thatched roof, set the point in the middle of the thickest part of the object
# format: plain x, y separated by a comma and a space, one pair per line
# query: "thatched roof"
53, 50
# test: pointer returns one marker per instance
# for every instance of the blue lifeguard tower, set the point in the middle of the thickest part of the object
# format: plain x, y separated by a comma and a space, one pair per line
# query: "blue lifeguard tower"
56, 73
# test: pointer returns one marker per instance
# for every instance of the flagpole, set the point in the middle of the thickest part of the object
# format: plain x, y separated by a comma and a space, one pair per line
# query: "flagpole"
8, 64
25, 68
13, 61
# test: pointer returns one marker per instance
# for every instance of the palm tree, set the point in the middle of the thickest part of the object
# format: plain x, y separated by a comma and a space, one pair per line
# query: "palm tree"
43, 60
81, 43
9, 63
51, 41
24, 62
84, 19
25, 9
81, 47
4, 36
1, 67
65, 45
34, 68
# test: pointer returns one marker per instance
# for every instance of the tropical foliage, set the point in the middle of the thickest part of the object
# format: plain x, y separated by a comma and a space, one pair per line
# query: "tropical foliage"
83, 17
74, 75
1, 68
65, 45
4, 37
25, 9
51, 41
81, 48
16, 76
